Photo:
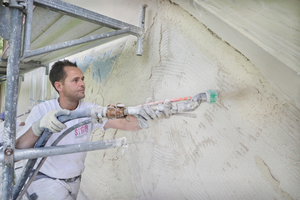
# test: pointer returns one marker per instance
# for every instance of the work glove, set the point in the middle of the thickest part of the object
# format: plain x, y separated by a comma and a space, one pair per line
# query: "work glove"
98, 113
147, 116
50, 122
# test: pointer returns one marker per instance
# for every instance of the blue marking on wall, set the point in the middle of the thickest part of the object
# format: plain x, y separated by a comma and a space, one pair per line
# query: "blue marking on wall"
84, 65
101, 63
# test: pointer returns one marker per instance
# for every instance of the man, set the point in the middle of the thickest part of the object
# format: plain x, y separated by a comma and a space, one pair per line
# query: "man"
59, 177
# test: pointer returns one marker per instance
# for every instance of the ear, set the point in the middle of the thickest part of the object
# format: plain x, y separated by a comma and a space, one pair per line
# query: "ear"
58, 86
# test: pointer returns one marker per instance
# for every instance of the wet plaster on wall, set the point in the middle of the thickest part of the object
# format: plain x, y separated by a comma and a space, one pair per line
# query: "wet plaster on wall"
244, 147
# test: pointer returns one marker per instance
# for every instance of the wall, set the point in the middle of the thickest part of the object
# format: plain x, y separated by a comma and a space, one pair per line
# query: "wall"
244, 147
266, 32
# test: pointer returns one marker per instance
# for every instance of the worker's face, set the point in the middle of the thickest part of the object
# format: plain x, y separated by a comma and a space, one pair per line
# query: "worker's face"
73, 87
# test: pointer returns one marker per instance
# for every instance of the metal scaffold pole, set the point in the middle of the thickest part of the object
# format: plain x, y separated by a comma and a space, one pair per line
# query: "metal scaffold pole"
11, 29
11, 99
140, 39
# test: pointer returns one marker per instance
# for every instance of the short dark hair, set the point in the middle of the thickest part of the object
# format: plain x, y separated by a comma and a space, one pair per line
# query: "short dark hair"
58, 73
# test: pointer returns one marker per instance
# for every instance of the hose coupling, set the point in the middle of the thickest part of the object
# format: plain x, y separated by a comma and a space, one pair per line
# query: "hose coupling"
115, 111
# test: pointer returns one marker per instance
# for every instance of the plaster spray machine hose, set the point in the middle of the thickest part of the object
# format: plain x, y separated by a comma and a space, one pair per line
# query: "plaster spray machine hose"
41, 143
32, 175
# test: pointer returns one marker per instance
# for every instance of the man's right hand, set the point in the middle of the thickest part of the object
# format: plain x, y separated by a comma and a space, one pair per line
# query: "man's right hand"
50, 122
148, 116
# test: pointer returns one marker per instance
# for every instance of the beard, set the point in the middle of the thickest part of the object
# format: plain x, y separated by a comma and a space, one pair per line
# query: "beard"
75, 95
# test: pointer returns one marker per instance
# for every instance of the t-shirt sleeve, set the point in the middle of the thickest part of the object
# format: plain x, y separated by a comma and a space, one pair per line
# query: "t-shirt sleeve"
95, 126
103, 124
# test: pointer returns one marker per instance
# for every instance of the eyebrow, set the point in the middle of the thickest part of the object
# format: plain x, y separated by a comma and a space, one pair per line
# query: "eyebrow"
78, 77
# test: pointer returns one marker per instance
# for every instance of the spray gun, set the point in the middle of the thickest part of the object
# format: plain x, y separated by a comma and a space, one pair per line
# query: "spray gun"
189, 104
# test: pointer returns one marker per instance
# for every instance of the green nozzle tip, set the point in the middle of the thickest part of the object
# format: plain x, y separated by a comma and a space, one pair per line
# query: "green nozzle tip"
212, 96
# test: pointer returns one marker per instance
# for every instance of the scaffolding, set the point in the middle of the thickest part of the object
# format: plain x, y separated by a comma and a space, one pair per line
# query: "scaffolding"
39, 32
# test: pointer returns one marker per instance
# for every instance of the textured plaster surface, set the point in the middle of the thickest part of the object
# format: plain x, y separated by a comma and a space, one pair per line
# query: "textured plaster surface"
244, 147
274, 25
266, 32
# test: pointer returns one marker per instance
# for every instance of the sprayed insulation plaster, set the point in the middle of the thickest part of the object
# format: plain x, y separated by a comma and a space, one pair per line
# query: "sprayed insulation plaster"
273, 25
244, 147
266, 32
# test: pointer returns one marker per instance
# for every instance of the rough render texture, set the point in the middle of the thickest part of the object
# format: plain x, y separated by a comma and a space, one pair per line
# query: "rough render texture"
265, 31
274, 24
244, 147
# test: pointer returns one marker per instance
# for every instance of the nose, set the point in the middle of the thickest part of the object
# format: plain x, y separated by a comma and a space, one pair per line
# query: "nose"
81, 82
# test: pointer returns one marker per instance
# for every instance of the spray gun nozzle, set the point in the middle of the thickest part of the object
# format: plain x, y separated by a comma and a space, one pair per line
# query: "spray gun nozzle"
210, 96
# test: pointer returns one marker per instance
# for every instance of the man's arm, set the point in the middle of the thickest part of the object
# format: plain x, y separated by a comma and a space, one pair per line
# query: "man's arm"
139, 121
27, 140
48, 121
124, 124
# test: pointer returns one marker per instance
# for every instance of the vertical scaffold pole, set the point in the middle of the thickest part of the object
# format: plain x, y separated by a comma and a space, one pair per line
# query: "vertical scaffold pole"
140, 39
11, 100
28, 26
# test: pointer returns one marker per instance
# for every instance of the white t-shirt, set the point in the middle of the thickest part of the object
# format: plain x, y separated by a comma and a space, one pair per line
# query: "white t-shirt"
68, 165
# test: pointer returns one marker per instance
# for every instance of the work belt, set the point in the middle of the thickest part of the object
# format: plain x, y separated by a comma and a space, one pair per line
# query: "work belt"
41, 175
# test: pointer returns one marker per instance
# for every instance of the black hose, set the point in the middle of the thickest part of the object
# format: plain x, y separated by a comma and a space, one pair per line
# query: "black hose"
41, 143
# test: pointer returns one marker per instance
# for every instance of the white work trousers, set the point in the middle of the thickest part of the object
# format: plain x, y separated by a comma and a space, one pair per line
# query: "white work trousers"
47, 188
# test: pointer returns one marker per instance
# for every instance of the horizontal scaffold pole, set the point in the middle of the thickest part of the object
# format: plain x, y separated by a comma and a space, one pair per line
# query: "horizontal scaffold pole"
118, 34
21, 154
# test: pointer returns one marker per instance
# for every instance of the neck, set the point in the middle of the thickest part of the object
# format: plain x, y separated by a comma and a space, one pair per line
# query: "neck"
69, 105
